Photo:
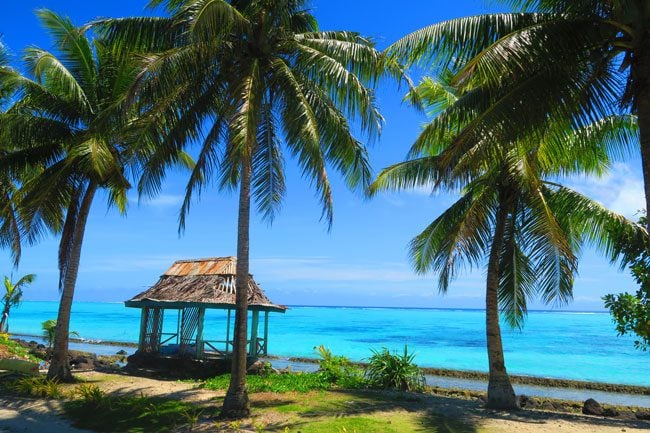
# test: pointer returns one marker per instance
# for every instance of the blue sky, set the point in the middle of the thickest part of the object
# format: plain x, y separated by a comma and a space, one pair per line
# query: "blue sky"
362, 261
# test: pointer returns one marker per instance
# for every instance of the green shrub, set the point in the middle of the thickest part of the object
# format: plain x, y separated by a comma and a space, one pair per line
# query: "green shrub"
299, 382
390, 370
91, 395
339, 370
39, 386
14, 349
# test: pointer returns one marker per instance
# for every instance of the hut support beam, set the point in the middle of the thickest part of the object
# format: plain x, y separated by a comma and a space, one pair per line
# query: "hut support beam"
266, 333
199, 334
143, 328
228, 342
252, 350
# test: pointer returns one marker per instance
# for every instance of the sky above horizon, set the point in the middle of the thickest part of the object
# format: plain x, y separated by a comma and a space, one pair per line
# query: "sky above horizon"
363, 260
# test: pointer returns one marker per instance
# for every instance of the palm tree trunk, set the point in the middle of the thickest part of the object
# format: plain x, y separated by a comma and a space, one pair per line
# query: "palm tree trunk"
60, 365
5, 319
500, 392
236, 404
641, 76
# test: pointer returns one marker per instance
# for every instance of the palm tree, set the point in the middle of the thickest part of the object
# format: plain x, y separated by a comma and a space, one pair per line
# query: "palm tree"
261, 79
577, 59
10, 229
73, 128
527, 228
12, 297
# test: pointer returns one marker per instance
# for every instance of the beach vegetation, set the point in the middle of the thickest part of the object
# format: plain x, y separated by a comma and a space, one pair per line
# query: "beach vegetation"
102, 413
631, 312
49, 332
280, 383
39, 386
12, 349
513, 217
390, 370
12, 297
339, 370
256, 80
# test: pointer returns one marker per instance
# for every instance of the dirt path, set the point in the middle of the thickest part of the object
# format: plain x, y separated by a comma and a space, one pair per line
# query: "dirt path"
19, 415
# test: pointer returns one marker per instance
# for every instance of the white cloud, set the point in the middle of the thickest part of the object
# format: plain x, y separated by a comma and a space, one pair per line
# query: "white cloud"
620, 190
324, 269
160, 201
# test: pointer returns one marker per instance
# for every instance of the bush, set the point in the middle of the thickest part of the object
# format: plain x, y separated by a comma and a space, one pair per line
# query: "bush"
39, 386
91, 395
390, 370
299, 382
339, 370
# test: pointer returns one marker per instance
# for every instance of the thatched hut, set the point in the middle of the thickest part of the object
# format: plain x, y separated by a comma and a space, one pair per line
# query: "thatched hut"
188, 288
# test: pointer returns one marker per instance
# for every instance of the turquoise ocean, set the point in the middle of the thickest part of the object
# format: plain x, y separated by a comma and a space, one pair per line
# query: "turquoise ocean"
568, 345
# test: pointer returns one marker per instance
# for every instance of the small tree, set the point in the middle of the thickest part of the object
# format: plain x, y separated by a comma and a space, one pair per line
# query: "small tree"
631, 313
12, 297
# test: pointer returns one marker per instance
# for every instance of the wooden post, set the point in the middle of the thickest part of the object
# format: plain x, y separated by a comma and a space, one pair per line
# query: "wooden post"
143, 328
178, 327
266, 333
228, 331
252, 350
199, 334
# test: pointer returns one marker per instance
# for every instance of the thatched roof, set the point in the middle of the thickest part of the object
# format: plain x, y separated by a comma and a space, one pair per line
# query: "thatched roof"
204, 282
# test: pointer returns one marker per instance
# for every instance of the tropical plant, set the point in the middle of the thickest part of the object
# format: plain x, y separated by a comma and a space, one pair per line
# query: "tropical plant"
631, 312
511, 212
49, 332
12, 297
251, 78
73, 127
339, 370
392, 370
10, 227
574, 59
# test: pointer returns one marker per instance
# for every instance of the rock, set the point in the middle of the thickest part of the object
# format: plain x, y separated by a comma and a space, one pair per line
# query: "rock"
261, 367
527, 402
592, 407
83, 361
645, 416
122, 352
611, 412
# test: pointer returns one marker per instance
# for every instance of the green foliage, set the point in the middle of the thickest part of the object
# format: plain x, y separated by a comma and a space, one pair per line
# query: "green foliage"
14, 349
101, 413
12, 297
39, 386
390, 370
49, 331
91, 395
631, 313
280, 383
339, 370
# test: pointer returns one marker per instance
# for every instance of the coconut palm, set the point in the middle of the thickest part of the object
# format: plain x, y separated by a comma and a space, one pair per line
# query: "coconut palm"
577, 59
10, 229
73, 127
511, 216
262, 80
12, 297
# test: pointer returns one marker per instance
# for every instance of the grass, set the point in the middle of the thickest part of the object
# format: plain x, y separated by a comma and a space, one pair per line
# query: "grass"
103, 413
280, 383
